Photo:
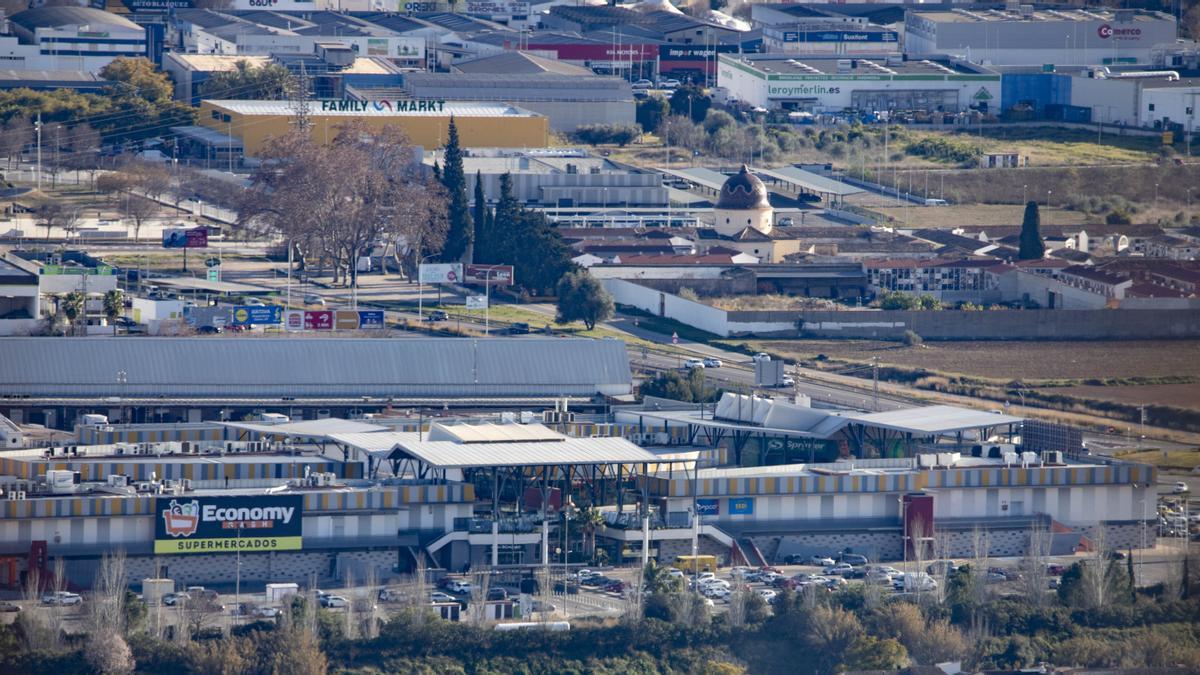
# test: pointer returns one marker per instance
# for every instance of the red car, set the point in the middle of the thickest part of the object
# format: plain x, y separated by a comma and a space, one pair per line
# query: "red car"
1054, 569
615, 586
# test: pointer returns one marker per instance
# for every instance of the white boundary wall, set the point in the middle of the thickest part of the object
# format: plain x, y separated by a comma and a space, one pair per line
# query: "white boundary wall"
695, 314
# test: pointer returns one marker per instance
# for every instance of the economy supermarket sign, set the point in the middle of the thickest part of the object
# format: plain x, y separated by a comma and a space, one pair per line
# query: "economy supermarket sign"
227, 524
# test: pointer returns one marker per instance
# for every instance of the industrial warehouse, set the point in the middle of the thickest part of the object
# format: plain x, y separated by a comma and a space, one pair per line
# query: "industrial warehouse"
248, 125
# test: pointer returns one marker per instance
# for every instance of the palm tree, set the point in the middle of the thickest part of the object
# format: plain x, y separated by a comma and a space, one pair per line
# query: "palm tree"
590, 519
657, 579
114, 304
72, 306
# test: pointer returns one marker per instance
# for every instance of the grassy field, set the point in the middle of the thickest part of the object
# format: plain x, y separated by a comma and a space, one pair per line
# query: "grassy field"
1050, 146
1179, 460
975, 214
1032, 361
1179, 395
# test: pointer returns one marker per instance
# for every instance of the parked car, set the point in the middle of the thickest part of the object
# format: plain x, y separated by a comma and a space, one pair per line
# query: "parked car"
835, 582
209, 330
172, 599
767, 594
943, 568
838, 568
594, 580
770, 577
615, 586
458, 586
642, 84
669, 83
693, 363
313, 299
1054, 569
519, 328
542, 606
9, 607
761, 356
1180, 488
716, 592
786, 221
743, 573
712, 363
438, 596
497, 594
62, 598
267, 612
822, 561
334, 601
437, 315
914, 582
566, 587
853, 559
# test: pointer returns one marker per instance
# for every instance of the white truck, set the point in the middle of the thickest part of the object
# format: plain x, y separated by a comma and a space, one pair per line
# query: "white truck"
277, 592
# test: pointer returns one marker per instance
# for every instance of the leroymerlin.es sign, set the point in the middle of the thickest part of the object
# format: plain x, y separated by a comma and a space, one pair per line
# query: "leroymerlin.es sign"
185, 524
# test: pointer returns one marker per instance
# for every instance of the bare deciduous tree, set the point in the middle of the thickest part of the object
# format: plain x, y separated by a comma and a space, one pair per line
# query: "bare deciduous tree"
1097, 570
140, 210
1035, 577
335, 201
15, 135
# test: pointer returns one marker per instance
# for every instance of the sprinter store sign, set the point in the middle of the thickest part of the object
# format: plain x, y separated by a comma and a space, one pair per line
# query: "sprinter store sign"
227, 524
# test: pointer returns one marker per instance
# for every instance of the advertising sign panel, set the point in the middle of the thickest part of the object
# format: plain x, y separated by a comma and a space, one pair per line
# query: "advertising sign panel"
598, 52
494, 275
694, 52
293, 319
497, 7
441, 273
477, 302
227, 524
318, 320
345, 320
708, 507
245, 315
839, 36
180, 238
370, 318
743, 506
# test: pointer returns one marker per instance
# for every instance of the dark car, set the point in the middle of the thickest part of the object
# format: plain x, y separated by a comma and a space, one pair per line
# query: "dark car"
519, 328
615, 586
209, 330
596, 580
437, 315
567, 587
795, 559
7, 607
497, 594
1054, 569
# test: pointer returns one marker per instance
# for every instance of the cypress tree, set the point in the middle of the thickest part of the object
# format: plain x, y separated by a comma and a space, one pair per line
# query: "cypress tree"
458, 236
1032, 247
482, 241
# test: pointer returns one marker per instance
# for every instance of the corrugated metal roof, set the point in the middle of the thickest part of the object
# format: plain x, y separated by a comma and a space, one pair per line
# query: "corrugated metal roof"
376, 444
810, 181
934, 419
308, 428
451, 455
231, 367
493, 433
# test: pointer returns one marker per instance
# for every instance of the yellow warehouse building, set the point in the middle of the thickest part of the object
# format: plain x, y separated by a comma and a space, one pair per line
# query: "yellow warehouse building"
426, 122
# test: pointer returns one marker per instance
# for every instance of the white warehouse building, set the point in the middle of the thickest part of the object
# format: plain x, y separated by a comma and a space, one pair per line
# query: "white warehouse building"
1029, 35
825, 84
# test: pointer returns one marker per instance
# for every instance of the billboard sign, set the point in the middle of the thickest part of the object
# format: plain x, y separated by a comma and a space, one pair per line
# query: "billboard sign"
441, 273
227, 524
318, 320
498, 7
708, 507
493, 275
177, 237
345, 320
743, 506
839, 36
293, 319
371, 318
245, 315
694, 52
477, 302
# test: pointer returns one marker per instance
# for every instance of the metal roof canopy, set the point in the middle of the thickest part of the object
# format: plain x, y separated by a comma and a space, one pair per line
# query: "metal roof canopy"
934, 420
308, 428
705, 178
809, 181
378, 444
192, 284
568, 451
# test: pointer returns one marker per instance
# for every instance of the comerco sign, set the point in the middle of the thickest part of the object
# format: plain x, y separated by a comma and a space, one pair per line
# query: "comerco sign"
227, 524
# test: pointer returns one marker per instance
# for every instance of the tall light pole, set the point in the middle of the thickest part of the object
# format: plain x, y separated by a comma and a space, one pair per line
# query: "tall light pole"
1024, 196
1156, 195
121, 380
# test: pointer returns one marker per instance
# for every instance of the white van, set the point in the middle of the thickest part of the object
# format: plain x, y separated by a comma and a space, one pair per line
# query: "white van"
936, 202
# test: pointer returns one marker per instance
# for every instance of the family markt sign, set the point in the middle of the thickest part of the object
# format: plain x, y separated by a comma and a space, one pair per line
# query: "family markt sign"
389, 106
